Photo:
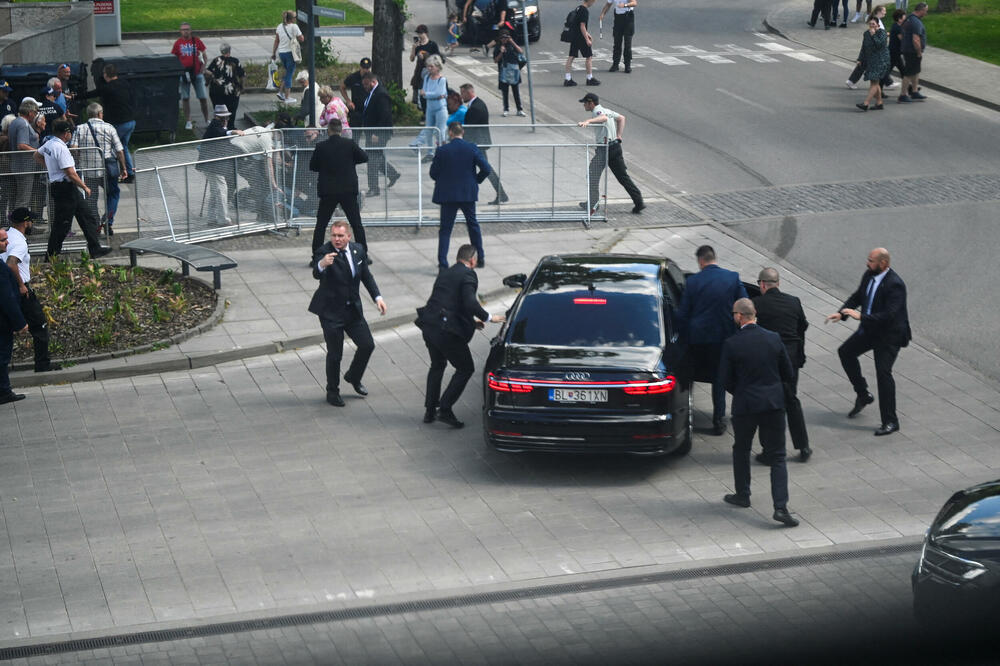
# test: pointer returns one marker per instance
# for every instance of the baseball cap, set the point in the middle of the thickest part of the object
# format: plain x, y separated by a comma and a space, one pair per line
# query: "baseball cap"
366, 62
5, 86
590, 97
50, 91
20, 215
30, 99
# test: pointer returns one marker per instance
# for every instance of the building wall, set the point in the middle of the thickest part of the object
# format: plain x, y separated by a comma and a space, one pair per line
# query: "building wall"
46, 32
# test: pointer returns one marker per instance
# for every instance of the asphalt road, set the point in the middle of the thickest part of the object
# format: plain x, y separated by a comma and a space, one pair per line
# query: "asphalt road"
715, 105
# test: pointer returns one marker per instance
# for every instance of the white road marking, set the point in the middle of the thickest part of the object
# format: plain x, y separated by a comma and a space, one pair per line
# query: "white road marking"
804, 57
771, 46
759, 57
761, 35
716, 59
745, 100
687, 48
670, 60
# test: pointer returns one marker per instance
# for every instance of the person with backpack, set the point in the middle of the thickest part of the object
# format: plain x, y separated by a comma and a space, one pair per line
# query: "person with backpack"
580, 42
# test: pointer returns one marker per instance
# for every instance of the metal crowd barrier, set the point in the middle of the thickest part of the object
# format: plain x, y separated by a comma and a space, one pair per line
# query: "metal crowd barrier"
24, 182
216, 188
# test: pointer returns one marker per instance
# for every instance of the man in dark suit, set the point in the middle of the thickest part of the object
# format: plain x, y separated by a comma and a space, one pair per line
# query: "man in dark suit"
341, 267
11, 322
458, 169
377, 113
704, 320
478, 114
783, 314
753, 367
448, 321
880, 305
336, 160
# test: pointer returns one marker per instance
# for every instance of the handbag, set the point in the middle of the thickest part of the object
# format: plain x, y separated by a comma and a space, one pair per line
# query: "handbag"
296, 47
110, 163
510, 73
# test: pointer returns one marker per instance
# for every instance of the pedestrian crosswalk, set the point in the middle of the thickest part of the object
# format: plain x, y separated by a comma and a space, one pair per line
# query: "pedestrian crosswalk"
762, 52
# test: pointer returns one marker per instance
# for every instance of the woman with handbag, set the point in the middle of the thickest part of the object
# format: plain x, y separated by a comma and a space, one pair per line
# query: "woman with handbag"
508, 57
288, 46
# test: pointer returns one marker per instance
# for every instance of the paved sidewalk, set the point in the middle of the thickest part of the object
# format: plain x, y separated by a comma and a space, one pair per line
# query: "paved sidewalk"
967, 78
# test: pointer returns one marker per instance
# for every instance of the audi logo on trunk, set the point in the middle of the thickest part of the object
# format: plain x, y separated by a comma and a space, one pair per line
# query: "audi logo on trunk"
577, 376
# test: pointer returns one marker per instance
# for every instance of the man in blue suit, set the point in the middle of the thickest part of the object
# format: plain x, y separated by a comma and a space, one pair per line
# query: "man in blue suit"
458, 169
705, 320
11, 321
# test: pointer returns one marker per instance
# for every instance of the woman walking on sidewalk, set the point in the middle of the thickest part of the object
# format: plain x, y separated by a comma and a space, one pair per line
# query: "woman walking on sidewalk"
287, 42
875, 55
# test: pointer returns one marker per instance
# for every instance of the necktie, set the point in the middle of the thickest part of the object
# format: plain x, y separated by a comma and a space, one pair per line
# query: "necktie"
870, 296
350, 264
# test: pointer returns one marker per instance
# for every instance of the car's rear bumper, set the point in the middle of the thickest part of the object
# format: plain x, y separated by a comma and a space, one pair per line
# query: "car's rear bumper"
517, 431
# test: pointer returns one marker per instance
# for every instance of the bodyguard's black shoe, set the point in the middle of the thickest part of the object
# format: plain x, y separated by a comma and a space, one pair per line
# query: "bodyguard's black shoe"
49, 368
11, 397
334, 399
614, 68
392, 180
638, 208
448, 416
628, 69
782, 516
805, 454
718, 427
373, 193
430, 415
501, 198
97, 254
359, 388
737, 500
762, 459
863, 400
887, 429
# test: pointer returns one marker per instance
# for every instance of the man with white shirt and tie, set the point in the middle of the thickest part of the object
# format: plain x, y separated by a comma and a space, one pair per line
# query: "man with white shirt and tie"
880, 305
341, 268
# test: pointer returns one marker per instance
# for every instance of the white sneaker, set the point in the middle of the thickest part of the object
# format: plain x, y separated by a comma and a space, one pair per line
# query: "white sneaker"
506, 113
289, 100
851, 84
892, 85
281, 96
188, 125
521, 113
857, 17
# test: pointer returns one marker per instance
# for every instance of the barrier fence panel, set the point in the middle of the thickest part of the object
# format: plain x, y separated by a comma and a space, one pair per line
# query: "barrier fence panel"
213, 188
25, 183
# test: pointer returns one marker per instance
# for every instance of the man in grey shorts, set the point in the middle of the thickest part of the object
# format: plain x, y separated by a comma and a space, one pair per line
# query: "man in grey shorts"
912, 49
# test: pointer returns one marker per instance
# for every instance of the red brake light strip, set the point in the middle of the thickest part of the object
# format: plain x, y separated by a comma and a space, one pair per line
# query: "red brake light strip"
638, 387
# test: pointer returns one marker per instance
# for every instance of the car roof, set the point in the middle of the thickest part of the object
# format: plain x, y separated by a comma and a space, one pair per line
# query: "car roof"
607, 272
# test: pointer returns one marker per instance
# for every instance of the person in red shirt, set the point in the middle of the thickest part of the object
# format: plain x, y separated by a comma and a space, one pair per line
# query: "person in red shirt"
191, 52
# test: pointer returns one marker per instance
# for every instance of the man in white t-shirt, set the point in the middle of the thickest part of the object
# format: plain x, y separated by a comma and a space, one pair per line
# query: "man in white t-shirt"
610, 126
18, 260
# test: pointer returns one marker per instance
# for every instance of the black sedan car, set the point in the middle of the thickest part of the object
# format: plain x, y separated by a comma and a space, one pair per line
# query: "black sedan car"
586, 361
957, 579
517, 12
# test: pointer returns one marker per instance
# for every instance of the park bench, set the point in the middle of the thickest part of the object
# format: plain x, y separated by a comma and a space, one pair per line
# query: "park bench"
202, 258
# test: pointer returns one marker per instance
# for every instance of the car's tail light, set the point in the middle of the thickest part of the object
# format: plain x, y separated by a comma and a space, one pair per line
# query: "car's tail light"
652, 436
590, 301
505, 433
506, 385
665, 385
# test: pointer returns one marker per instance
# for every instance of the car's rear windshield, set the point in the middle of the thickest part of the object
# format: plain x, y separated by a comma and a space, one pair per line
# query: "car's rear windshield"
587, 318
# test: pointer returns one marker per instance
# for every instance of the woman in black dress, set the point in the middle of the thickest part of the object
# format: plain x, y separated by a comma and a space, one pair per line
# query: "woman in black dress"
875, 55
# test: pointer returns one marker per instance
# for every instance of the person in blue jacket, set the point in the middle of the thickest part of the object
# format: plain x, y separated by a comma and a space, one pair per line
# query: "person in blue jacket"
705, 319
11, 322
458, 168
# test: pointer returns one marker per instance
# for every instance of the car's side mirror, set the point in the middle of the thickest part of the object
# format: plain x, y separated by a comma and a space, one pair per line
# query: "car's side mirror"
515, 281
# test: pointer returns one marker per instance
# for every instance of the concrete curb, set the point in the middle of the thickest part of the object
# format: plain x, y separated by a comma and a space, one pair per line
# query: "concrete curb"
249, 32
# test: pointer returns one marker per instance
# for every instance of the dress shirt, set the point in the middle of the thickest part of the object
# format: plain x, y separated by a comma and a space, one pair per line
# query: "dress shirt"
619, 6
872, 288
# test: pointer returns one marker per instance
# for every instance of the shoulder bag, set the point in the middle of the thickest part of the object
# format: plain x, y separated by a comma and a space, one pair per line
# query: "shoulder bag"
296, 47
110, 163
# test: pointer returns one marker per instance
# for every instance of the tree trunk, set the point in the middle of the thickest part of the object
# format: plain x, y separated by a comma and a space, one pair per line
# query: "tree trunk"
947, 5
387, 42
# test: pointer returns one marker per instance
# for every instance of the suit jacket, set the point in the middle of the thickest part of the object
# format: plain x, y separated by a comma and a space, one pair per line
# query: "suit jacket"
338, 293
754, 367
453, 303
11, 318
478, 114
705, 315
457, 170
335, 160
783, 314
888, 322
378, 113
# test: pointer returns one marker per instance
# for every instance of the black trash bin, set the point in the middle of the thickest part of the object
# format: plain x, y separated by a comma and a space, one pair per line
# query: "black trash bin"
31, 79
154, 80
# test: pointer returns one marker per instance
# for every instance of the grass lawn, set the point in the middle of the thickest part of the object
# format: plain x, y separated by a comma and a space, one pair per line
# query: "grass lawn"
166, 15
972, 30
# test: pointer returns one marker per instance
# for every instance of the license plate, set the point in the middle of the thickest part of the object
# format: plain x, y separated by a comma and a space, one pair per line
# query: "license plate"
578, 395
